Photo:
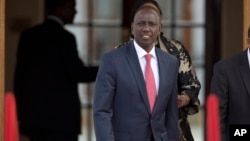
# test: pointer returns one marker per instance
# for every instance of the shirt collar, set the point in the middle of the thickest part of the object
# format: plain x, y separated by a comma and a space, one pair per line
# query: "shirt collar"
55, 18
141, 52
248, 55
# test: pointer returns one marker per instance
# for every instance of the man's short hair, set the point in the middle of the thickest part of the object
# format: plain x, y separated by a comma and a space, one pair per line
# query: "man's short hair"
52, 4
141, 3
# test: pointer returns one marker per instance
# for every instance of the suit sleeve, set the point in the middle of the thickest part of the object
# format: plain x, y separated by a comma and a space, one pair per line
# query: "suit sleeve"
219, 87
103, 100
172, 111
73, 66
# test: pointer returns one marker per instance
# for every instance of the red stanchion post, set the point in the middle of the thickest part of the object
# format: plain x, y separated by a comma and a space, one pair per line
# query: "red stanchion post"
11, 132
212, 120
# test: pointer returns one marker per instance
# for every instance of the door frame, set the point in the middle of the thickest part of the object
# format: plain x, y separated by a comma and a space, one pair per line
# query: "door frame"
246, 21
2, 68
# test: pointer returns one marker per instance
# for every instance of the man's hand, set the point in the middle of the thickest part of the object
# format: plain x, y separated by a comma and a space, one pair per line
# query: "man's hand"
183, 100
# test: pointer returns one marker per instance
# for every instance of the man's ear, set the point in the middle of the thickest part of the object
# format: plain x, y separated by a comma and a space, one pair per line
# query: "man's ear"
132, 28
160, 28
248, 42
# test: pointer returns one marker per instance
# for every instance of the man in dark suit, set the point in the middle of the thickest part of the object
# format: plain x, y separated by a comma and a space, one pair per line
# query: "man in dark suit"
231, 83
47, 73
123, 107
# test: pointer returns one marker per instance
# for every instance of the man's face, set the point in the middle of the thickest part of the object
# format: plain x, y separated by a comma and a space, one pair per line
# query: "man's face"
69, 11
248, 42
146, 27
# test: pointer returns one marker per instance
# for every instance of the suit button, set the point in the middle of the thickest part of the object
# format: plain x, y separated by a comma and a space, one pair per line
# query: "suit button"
148, 139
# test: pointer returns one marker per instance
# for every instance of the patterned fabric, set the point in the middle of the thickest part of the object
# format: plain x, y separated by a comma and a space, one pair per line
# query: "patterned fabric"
188, 83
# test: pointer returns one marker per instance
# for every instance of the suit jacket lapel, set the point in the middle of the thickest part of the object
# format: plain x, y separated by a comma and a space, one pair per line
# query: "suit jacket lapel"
162, 64
245, 70
137, 72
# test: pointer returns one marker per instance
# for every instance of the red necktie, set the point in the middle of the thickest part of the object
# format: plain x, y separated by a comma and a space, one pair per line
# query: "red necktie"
150, 82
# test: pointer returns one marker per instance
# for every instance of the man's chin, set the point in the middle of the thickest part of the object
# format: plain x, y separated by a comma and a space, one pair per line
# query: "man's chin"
146, 45
147, 42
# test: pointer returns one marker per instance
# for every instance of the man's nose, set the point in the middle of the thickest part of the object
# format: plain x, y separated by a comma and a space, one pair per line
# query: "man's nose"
146, 27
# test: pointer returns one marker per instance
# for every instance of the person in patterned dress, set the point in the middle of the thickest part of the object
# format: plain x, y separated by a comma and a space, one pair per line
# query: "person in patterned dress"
188, 85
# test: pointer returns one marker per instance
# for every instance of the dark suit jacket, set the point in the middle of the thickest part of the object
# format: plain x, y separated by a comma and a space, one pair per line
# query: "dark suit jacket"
121, 108
231, 83
47, 73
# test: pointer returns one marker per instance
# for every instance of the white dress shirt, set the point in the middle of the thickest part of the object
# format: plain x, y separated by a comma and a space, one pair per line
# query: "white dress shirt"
248, 54
154, 64
55, 18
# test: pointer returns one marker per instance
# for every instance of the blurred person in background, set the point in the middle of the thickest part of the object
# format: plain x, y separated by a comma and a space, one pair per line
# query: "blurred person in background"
47, 74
